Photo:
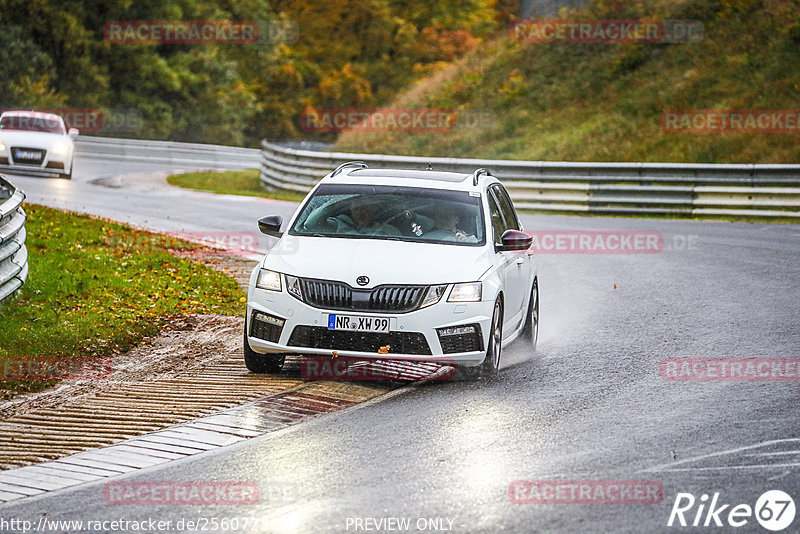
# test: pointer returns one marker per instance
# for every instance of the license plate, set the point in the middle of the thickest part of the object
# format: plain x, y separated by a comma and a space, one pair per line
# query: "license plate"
356, 323
25, 154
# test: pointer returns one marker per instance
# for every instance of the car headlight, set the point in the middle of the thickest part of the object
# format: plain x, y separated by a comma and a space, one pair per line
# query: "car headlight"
60, 147
268, 280
469, 292
2, 146
293, 287
433, 295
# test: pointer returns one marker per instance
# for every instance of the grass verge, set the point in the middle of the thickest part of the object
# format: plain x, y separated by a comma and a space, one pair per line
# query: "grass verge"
566, 101
245, 183
97, 288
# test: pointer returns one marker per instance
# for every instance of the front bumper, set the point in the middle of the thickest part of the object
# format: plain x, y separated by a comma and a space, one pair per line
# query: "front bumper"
51, 165
413, 336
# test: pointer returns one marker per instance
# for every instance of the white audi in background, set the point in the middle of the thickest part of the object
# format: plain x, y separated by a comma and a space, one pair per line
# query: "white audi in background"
35, 141
395, 264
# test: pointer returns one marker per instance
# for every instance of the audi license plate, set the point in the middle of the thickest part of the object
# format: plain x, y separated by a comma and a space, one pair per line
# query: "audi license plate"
28, 155
355, 323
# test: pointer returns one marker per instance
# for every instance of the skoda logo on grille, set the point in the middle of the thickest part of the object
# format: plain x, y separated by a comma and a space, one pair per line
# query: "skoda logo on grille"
362, 280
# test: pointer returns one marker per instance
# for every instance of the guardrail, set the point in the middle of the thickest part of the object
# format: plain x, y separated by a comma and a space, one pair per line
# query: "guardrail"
169, 152
698, 190
13, 254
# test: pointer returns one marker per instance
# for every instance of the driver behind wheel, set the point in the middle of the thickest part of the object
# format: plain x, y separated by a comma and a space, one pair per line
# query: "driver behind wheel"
363, 220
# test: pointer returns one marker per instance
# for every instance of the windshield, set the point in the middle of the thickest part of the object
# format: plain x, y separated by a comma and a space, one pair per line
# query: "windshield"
27, 123
389, 212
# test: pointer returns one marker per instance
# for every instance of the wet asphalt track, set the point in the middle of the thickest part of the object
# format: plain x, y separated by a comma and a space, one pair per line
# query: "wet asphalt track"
590, 404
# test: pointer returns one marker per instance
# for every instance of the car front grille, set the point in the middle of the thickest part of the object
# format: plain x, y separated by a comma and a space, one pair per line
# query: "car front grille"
315, 337
333, 295
27, 156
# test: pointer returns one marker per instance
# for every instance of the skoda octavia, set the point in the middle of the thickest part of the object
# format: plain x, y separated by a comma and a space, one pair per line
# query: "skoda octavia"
395, 264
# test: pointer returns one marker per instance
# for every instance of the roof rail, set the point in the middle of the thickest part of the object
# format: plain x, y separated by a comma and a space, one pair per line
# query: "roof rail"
343, 166
477, 174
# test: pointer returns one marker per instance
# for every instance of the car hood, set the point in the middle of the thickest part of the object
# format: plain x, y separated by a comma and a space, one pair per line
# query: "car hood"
383, 261
32, 139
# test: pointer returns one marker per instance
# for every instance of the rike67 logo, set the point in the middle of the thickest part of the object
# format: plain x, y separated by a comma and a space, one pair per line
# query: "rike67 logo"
774, 510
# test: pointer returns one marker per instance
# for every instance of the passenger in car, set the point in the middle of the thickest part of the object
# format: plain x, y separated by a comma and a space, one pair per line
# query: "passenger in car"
445, 226
363, 220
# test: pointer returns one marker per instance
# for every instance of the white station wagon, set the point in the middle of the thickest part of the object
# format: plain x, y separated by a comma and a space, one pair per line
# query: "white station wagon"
384, 264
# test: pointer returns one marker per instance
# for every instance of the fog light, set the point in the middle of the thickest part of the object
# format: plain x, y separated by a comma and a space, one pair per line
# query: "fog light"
264, 318
266, 327
463, 338
456, 331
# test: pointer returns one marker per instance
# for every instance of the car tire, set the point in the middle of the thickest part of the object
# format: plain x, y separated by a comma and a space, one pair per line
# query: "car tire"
531, 329
261, 363
491, 363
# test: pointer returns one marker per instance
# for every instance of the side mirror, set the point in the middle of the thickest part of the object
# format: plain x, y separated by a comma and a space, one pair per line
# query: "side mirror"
271, 225
515, 240
73, 131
